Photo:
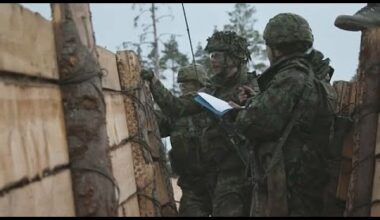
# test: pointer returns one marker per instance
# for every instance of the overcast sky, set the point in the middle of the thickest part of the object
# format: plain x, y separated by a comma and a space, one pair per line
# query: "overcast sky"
113, 24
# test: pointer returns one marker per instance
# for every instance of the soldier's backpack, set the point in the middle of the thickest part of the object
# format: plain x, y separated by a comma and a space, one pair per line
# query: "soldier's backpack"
339, 128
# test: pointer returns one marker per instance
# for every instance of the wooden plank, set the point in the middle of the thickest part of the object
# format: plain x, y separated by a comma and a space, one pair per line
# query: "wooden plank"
360, 190
353, 97
345, 167
145, 182
83, 25
377, 148
164, 184
164, 191
107, 61
26, 42
343, 91
339, 86
32, 136
129, 68
142, 123
346, 103
163, 195
52, 196
130, 208
84, 109
177, 191
117, 129
122, 163
375, 208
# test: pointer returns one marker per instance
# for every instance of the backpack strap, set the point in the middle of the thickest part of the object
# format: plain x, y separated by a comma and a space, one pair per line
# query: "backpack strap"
275, 171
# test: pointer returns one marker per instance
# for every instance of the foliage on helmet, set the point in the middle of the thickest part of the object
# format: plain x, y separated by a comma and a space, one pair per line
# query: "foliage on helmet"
287, 28
188, 73
230, 42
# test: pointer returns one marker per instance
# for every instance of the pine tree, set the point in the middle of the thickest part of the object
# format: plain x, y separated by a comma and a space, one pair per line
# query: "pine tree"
355, 77
172, 59
152, 59
242, 21
202, 58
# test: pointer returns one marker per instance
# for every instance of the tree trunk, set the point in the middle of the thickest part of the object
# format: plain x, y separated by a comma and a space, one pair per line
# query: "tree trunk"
359, 199
129, 69
154, 189
84, 109
375, 208
155, 43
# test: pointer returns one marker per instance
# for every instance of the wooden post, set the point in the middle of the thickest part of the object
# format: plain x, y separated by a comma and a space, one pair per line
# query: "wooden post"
340, 165
129, 68
84, 109
120, 150
155, 192
164, 183
360, 190
375, 208
346, 104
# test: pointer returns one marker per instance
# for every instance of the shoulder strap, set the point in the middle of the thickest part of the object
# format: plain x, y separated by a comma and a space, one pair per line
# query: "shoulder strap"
191, 125
297, 111
275, 171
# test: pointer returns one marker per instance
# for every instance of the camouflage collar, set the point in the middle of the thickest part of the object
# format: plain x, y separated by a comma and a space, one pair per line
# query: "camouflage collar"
219, 81
269, 73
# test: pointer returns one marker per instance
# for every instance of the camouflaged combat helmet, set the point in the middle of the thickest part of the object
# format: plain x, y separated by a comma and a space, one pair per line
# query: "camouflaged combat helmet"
287, 28
188, 73
230, 42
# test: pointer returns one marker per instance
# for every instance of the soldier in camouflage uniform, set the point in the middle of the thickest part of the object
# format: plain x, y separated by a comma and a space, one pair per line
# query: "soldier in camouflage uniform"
227, 181
184, 156
296, 98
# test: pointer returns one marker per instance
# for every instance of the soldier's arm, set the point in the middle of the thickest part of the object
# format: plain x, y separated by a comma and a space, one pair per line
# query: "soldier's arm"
164, 124
252, 77
250, 89
171, 105
268, 113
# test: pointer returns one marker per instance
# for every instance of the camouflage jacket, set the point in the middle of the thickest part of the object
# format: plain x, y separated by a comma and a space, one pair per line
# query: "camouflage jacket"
215, 146
282, 85
184, 135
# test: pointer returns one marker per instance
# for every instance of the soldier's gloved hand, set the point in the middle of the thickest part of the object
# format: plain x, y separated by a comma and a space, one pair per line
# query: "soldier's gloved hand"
147, 74
244, 93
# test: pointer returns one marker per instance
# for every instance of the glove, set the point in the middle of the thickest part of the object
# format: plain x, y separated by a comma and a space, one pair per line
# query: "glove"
147, 74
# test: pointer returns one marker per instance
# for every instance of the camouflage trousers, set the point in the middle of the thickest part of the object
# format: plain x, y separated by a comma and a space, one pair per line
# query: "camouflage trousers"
305, 191
304, 202
216, 194
195, 204
307, 179
196, 200
232, 194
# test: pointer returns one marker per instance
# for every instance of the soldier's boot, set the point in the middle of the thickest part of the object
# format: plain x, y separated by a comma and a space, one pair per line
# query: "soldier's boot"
367, 17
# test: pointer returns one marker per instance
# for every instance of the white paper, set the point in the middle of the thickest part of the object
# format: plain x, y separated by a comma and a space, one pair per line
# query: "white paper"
217, 104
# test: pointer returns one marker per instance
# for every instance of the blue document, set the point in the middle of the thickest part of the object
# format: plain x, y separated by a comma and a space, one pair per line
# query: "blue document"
217, 106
